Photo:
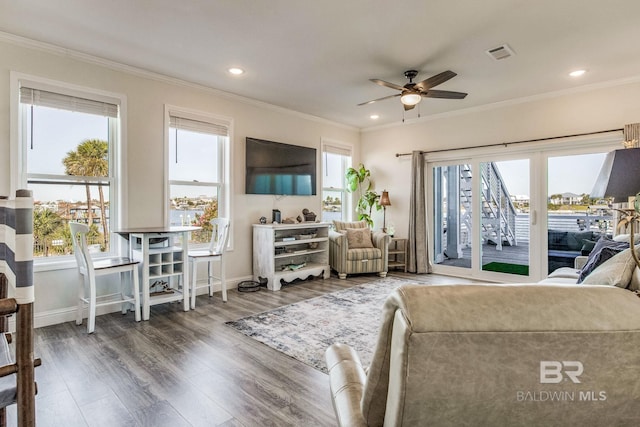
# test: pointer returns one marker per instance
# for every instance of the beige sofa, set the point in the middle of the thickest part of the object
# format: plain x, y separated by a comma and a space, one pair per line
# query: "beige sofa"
496, 355
620, 271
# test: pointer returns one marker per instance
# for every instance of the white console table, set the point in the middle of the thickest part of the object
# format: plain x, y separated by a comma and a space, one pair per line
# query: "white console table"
283, 253
161, 259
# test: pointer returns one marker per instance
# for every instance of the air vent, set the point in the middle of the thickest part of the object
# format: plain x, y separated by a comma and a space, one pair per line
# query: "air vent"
500, 52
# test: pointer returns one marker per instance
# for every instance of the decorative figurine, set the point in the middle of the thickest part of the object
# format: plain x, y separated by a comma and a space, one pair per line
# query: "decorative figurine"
308, 215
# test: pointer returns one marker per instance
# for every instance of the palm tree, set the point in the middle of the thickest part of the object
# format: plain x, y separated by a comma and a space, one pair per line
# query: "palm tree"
91, 158
45, 224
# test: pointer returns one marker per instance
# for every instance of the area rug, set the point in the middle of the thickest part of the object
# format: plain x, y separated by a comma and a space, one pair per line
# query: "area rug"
305, 329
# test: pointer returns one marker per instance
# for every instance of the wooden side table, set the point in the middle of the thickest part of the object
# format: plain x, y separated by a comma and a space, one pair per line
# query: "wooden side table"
398, 253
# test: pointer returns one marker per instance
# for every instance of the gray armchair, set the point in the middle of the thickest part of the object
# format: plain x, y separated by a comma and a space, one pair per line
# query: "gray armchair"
495, 355
370, 256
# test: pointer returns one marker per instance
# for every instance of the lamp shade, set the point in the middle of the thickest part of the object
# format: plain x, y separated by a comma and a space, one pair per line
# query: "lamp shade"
384, 199
410, 98
619, 176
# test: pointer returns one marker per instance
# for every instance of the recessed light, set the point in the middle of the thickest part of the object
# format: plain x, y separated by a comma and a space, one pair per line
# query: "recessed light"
374, 117
236, 71
577, 73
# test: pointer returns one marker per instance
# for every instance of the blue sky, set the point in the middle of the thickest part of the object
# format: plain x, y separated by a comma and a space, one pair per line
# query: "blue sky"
567, 174
56, 132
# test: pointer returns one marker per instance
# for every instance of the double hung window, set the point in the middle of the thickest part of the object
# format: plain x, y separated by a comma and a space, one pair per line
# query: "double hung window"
67, 149
335, 162
197, 163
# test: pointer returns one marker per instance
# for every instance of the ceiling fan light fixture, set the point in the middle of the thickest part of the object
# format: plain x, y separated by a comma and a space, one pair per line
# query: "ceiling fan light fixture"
235, 71
410, 98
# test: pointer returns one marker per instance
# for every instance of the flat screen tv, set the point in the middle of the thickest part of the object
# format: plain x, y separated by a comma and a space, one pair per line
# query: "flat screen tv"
281, 169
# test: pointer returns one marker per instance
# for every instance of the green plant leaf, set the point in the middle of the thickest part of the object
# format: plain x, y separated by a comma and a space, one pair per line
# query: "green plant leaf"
359, 180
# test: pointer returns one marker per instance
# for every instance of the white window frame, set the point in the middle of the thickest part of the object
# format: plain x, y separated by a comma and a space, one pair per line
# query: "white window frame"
224, 186
18, 154
336, 147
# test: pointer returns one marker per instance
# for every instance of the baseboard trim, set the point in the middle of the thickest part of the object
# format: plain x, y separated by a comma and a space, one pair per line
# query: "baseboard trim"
68, 314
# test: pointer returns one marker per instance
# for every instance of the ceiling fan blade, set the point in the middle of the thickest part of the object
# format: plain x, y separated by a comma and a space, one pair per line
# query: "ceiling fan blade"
380, 99
408, 107
446, 94
387, 84
436, 80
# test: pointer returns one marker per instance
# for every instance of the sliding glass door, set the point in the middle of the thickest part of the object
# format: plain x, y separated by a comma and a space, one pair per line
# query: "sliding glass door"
453, 207
481, 216
504, 216
515, 215
574, 219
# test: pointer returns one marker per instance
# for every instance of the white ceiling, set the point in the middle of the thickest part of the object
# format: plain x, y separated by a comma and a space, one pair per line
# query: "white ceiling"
317, 57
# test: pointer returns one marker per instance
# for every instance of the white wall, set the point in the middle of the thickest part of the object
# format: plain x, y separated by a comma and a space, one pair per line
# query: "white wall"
588, 109
146, 96
592, 109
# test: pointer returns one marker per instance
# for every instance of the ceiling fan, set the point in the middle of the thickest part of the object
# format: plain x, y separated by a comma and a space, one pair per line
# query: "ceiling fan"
412, 93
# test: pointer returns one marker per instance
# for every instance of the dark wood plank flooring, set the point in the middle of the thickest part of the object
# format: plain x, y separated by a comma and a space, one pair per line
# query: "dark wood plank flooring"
184, 368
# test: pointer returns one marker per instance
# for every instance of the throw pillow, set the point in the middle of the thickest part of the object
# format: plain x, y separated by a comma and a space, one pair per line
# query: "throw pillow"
557, 240
359, 238
604, 249
634, 283
587, 247
627, 238
575, 239
615, 272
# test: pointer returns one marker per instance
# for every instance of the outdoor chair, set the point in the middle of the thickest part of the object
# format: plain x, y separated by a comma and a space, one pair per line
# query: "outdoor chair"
215, 253
90, 269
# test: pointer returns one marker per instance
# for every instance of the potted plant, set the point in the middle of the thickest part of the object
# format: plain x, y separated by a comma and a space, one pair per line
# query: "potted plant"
359, 182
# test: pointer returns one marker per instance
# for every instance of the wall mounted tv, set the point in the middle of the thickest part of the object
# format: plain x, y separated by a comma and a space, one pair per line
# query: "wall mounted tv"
281, 169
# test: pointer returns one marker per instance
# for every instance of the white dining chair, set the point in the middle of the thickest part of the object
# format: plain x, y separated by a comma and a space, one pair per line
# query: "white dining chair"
215, 253
90, 269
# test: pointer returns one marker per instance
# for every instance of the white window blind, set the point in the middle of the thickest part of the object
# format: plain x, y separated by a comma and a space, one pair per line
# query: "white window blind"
44, 98
341, 151
198, 126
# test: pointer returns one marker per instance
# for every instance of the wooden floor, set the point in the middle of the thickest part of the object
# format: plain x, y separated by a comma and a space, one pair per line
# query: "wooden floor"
184, 368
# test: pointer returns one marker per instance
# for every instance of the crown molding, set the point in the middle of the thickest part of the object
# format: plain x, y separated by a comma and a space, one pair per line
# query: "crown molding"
140, 72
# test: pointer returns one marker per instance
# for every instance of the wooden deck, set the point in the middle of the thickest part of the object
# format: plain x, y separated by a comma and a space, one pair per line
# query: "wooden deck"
509, 254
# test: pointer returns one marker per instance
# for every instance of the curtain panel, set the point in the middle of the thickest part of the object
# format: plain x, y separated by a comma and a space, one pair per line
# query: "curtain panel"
418, 252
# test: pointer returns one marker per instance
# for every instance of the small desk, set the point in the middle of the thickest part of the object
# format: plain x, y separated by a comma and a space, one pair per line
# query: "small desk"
155, 248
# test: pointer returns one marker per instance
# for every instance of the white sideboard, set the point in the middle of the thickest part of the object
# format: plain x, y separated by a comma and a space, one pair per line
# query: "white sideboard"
283, 253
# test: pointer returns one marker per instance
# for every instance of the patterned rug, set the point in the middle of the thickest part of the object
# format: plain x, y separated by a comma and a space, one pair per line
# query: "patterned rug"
305, 329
